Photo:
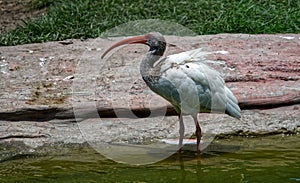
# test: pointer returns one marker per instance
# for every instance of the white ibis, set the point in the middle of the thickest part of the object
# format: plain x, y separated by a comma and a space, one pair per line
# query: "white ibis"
189, 85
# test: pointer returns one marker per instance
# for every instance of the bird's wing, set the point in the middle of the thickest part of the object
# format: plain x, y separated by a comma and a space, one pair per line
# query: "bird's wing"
199, 88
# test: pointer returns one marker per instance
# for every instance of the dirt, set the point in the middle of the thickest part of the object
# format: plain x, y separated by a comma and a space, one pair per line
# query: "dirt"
14, 12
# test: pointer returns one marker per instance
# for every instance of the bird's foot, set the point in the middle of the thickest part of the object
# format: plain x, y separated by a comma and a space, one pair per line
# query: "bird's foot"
179, 151
198, 154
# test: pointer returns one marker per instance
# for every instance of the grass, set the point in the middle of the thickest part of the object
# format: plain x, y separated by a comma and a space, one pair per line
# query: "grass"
89, 18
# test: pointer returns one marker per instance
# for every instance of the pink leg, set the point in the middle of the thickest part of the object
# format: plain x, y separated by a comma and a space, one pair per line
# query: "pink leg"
181, 132
198, 134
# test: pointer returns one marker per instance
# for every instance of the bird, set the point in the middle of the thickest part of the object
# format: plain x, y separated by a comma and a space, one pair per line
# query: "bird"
189, 84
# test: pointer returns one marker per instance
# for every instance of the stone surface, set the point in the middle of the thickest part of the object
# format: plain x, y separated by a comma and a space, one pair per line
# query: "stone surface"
45, 86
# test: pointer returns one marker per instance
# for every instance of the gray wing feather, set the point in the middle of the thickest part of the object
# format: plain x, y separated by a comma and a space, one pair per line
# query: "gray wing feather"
180, 71
232, 107
213, 94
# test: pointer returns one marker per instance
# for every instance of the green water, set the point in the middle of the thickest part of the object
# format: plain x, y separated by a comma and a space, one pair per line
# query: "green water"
264, 159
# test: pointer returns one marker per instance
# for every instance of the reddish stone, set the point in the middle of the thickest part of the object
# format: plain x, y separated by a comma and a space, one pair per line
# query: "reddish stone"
261, 70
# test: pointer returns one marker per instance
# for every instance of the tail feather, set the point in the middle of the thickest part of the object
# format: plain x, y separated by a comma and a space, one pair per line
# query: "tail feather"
232, 107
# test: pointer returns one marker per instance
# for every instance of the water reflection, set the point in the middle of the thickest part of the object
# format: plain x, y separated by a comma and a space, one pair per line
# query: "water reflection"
198, 169
266, 159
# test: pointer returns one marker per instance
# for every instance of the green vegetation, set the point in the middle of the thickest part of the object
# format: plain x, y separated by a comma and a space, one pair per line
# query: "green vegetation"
89, 18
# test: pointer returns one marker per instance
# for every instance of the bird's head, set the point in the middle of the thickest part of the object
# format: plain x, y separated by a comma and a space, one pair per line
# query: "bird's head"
154, 40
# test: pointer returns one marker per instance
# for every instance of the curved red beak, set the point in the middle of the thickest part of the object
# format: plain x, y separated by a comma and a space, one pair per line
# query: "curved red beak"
132, 40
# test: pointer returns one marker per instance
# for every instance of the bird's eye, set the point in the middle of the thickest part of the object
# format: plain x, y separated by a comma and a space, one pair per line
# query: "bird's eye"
187, 66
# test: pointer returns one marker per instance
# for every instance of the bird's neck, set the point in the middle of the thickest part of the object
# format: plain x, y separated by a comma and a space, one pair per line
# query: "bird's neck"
147, 64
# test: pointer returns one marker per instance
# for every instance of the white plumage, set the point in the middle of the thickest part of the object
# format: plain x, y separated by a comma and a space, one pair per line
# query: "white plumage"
184, 80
